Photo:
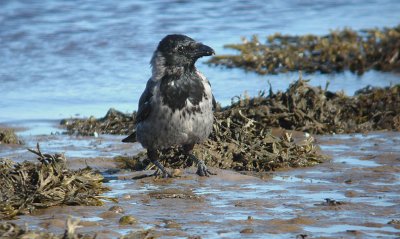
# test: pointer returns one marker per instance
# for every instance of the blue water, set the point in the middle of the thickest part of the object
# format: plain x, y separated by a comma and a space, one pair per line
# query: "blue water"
66, 58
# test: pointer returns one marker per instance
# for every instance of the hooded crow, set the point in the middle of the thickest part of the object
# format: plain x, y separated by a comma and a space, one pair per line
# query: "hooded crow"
176, 108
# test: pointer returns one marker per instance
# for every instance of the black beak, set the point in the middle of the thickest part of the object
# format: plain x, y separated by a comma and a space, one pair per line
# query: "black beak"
203, 50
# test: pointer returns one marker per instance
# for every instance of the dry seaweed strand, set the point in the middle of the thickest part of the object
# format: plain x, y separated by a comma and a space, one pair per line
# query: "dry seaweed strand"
335, 52
27, 186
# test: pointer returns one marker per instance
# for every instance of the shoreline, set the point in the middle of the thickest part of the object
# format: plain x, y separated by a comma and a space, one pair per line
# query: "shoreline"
360, 183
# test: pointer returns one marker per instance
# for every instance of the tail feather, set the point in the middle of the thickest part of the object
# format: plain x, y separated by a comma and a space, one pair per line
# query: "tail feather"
130, 139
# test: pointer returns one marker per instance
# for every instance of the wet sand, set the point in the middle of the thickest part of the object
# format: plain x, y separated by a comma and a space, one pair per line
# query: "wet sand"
354, 195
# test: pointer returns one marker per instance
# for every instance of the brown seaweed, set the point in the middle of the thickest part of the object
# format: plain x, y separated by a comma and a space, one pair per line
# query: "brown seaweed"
338, 51
242, 140
239, 147
301, 107
114, 122
8, 136
28, 186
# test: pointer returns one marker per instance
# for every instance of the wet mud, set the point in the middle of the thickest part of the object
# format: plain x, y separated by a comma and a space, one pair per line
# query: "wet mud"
354, 195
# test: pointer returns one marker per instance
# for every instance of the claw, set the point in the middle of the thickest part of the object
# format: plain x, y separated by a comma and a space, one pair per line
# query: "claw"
202, 170
201, 167
160, 174
153, 158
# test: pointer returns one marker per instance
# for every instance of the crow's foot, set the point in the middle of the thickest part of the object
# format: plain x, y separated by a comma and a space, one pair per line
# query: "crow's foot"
162, 174
202, 169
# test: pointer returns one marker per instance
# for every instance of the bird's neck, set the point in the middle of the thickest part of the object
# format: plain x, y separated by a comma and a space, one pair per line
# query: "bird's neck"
178, 71
161, 68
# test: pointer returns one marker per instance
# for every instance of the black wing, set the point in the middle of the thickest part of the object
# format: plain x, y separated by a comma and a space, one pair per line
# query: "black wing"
144, 109
144, 102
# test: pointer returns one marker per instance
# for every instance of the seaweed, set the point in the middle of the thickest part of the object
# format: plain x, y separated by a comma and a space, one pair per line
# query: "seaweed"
301, 107
242, 139
319, 111
335, 52
8, 136
236, 145
28, 186
114, 122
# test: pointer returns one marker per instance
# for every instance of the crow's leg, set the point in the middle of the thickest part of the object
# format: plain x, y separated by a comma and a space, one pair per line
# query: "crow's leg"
201, 167
153, 156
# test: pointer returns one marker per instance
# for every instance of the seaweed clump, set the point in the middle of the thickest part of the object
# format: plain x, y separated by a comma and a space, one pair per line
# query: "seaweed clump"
248, 150
301, 107
8, 136
319, 111
114, 122
375, 109
241, 140
335, 52
244, 144
27, 186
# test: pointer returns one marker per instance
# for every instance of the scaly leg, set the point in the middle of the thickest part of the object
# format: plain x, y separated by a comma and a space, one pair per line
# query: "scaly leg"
153, 156
201, 167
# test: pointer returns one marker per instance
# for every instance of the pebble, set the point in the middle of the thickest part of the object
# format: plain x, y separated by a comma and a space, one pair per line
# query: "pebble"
247, 230
127, 220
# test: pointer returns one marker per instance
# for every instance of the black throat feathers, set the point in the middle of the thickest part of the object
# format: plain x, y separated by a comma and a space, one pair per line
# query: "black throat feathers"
176, 89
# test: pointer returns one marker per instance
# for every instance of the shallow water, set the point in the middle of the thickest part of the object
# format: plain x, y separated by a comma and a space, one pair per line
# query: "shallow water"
59, 58
283, 204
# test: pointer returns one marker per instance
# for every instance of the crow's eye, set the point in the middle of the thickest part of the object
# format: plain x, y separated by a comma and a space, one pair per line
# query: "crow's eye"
180, 49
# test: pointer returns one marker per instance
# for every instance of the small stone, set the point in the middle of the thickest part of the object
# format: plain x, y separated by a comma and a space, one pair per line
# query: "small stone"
394, 221
351, 194
355, 232
247, 230
194, 237
127, 220
126, 197
348, 181
171, 224
116, 209
176, 173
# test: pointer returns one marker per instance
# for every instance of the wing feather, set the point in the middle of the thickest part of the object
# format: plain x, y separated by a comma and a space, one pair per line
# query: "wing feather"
144, 109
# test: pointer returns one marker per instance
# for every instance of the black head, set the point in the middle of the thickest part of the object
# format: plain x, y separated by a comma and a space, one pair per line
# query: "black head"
181, 50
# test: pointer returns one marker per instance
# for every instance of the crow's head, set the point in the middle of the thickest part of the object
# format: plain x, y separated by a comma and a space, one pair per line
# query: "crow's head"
181, 50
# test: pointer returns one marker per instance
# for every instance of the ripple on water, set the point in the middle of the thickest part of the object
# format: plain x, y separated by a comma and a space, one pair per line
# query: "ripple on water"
95, 55
356, 161
348, 228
